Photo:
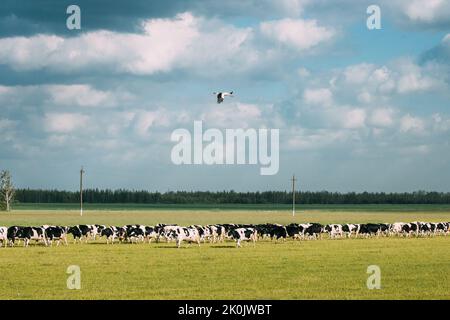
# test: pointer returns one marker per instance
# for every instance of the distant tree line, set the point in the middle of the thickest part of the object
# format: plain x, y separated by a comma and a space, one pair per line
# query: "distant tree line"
228, 197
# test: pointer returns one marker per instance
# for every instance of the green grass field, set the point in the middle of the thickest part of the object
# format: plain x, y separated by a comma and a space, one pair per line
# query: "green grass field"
415, 268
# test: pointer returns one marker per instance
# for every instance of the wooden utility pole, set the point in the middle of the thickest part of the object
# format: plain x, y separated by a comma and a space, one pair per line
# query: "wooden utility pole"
81, 191
293, 195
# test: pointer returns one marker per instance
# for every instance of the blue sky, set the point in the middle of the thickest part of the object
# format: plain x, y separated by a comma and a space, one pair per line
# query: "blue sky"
357, 109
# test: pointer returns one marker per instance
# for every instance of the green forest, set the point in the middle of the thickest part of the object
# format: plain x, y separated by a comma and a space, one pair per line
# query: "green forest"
228, 197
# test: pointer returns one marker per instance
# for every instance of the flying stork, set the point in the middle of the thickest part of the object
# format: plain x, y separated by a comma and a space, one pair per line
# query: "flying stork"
221, 95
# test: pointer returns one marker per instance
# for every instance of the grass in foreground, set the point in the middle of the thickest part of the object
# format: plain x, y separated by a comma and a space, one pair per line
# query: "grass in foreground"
416, 268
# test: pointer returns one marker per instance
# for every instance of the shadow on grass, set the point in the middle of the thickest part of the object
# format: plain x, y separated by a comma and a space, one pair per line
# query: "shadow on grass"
224, 247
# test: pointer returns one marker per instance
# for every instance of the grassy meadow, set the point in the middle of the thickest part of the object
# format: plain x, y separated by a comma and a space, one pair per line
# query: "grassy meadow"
414, 268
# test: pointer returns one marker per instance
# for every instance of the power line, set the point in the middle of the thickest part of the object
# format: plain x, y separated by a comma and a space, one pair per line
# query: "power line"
293, 194
81, 191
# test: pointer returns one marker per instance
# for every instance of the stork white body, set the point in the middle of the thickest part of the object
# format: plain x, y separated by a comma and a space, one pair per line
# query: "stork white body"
221, 95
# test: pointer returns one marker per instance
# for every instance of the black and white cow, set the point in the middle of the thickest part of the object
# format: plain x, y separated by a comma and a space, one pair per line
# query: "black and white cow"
150, 233
97, 230
120, 232
56, 233
350, 229
396, 228
3, 236
204, 232
424, 228
165, 232
408, 229
441, 228
277, 231
243, 234
134, 233
228, 227
219, 232
295, 231
368, 229
216, 233
109, 233
334, 230
80, 232
262, 230
26, 234
188, 234
314, 231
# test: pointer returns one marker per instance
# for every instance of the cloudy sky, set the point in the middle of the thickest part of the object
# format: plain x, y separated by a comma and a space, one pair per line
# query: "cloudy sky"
357, 109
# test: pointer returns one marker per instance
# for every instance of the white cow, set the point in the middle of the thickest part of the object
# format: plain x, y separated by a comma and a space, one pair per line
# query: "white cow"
150, 233
243, 234
334, 230
350, 229
181, 234
218, 233
4, 236
167, 233
27, 234
397, 228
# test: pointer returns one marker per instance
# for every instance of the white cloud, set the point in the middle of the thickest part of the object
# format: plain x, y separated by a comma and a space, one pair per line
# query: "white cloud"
182, 42
64, 122
426, 11
302, 139
74, 95
446, 39
440, 122
372, 84
418, 13
358, 73
381, 74
412, 78
161, 44
144, 120
412, 124
320, 96
354, 119
289, 7
80, 95
235, 115
4, 90
303, 72
382, 117
296, 33
365, 97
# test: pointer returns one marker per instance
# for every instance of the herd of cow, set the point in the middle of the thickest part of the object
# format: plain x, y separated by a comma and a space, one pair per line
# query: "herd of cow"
215, 233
